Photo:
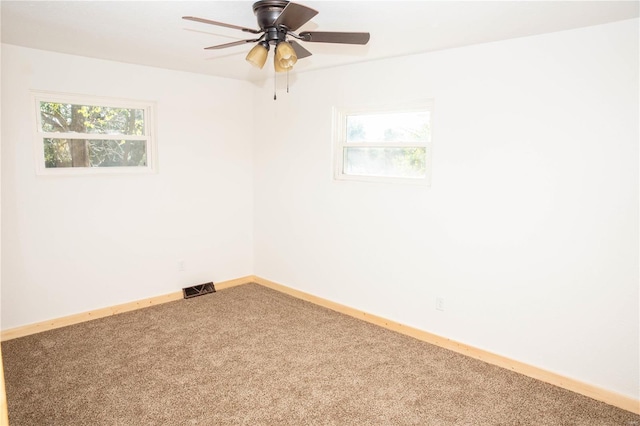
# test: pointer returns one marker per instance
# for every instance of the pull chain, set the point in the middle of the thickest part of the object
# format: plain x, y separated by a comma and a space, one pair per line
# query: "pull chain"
287, 81
274, 86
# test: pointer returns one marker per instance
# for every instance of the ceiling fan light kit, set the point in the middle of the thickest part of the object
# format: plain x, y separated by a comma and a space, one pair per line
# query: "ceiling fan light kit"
285, 57
257, 56
278, 20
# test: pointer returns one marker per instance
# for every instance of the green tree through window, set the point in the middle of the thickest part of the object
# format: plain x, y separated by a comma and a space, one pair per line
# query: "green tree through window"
384, 144
77, 135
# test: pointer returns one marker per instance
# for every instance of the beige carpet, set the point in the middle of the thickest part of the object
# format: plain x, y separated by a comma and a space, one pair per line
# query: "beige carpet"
250, 355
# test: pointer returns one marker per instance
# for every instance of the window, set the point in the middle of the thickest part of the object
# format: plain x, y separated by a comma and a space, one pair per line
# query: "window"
83, 134
389, 144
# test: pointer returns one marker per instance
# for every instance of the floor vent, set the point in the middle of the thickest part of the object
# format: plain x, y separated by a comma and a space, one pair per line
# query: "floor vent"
198, 290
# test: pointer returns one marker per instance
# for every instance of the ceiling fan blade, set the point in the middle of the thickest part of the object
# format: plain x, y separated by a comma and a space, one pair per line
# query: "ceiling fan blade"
221, 24
294, 16
301, 52
233, 43
335, 37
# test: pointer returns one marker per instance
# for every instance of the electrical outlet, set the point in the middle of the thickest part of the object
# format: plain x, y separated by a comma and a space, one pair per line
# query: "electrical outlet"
440, 303
180, 265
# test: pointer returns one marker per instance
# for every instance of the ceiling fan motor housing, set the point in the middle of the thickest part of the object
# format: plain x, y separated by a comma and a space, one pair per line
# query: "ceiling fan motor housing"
267, 11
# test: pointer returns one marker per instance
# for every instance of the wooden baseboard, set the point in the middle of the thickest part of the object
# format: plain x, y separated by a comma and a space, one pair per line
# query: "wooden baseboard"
608, 397
603, 395
105, 312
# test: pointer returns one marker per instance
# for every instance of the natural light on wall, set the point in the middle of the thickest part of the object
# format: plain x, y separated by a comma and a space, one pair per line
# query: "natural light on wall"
383, 144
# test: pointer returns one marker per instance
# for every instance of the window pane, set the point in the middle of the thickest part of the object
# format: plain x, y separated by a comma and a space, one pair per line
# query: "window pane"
71, 118
389, 127
94, 153
386, 162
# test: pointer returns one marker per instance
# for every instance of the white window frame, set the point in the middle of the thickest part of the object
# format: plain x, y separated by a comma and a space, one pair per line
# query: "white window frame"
340, 140
149, 108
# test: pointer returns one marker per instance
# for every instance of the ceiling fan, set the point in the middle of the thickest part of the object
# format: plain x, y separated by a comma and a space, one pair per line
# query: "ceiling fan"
278, 20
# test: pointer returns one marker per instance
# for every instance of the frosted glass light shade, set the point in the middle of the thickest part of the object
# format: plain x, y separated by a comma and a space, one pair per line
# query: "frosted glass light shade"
277, 66
258, 55
285, 57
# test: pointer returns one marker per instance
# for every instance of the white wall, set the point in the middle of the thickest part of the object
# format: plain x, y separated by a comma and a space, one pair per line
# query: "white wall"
530, 228
529, 231
73, 244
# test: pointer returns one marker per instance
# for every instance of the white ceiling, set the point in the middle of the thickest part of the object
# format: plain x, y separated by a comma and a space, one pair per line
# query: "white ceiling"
153, 33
